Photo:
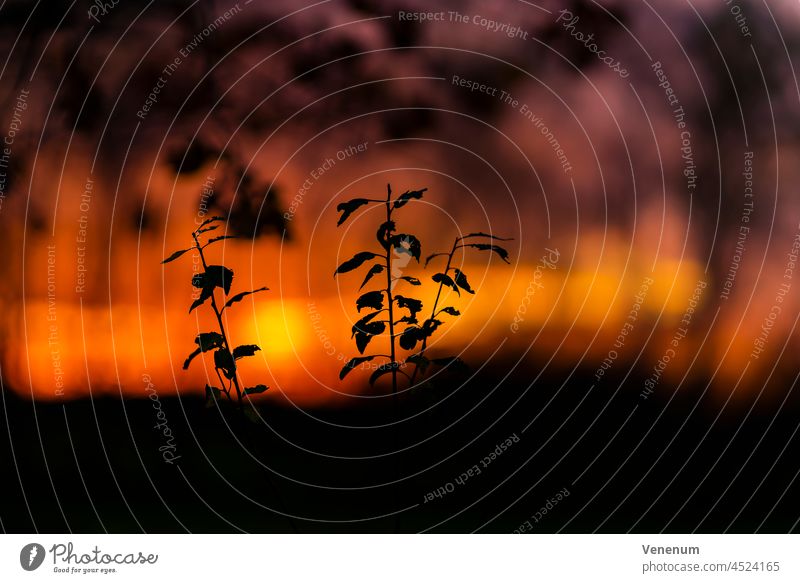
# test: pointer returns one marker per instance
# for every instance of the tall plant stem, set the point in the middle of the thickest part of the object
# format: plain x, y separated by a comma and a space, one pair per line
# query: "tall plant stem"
436, 305
218, 314
389, 297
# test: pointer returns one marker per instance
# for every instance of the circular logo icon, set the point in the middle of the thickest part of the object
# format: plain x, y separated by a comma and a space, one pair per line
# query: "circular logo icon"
31, 556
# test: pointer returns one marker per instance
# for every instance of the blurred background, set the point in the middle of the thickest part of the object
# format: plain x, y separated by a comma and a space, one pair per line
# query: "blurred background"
654, 219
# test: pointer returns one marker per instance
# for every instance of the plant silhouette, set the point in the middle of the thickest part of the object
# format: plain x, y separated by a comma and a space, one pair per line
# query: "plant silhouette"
225, 358
398, 248
455, 279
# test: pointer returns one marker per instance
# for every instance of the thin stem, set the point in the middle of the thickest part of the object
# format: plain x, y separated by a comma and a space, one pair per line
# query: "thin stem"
218, 314
389, 297
436, 304
222, 384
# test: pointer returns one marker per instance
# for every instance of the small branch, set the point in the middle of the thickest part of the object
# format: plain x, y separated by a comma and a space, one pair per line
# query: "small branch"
218, 314
389, 297
436, 303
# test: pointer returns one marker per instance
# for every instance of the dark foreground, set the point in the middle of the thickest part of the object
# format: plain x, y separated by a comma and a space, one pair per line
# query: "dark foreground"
588, 462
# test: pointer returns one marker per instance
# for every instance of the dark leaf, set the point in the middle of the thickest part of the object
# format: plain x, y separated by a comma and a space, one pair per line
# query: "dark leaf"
428, 259
220, 238
373, 328
355, 262
429, 327
496, 248
445, 279
255, 390
238, 297
373, 299
409, 338
224, 361
461, 281
374, 270
413, 305
495, 237
450, 310
407, 243
382, 370
351, 364
349, 207
384, 231
362, 340
411, 280
175, 255
408, 195
245, 350
204, 295
214, 276
208, 221
208, 340
211, 228
205, 341
364, 326
189, 358
358, 326
407, 320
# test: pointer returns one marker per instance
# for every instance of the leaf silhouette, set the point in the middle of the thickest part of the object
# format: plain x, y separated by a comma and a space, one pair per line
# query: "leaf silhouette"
374, 270
175, 255
429, 327
204, 295
208, 340
238, 297
418, 360
373, 328
450, 310
383, 233
407, 196
461, 281
224, 360
411, 280
349, 207
358, 326
407, 320
220, 238
496, 248
413, 305
363, 326
414, 246
351, 364
382, 370
211, 228
409, 338
355, 262
428, 259
214, 276
255, 390
373, 299
445, 279
362, 340
245, 350
189, 358
209, 221
205, 341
